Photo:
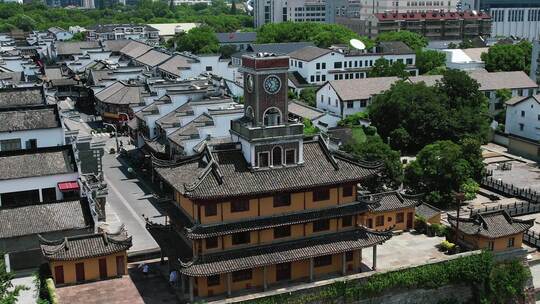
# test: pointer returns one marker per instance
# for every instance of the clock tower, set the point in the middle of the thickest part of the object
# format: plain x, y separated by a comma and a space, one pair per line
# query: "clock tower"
269, 139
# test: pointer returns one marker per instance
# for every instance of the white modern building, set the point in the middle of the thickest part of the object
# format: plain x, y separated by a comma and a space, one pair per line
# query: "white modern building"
465, 59
189, 66
521, 22
276, 11
317, 65
60, 34
523, 126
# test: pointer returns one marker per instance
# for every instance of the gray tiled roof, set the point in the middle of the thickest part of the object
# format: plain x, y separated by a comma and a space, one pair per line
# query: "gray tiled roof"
236, 37
14, 97
309, 53
175, 64
395, 48
227, 174
85, 246
123, 93
200, 231
282, 252
348, 89
38, 162
427, 211
43, 218
503, 80
191, 129
494, 224
303, 110
135, 49
115, 45
385, 201
29, 118
153, 58
74, 47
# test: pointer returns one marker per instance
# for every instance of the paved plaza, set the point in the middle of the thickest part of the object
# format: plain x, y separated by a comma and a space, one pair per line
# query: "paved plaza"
405, 250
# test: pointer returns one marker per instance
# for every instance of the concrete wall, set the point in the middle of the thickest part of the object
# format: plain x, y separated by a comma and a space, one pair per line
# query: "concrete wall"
524, 148
45, 137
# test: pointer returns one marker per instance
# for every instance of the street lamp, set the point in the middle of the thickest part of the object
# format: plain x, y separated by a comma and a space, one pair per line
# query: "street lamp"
115, 133
460, 197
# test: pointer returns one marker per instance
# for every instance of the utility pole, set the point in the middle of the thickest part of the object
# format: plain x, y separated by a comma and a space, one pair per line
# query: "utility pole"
460, 197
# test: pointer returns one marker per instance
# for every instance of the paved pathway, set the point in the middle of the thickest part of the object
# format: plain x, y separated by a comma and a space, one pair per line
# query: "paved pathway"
29, 295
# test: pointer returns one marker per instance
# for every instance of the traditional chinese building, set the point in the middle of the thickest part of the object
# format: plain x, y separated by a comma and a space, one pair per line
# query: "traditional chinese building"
272, 206
88, 257
494, 230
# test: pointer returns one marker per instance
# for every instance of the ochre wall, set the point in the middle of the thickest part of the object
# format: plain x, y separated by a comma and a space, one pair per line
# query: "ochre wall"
435, 219
91, 268
499, 244
389, 219
299, 271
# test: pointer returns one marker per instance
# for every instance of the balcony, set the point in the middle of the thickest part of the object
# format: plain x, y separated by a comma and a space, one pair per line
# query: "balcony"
246, 130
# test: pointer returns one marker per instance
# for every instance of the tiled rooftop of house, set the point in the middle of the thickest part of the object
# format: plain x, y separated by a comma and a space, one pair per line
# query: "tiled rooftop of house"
29, 118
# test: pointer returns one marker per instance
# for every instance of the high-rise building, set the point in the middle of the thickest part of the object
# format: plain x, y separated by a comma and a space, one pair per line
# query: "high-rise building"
275, 11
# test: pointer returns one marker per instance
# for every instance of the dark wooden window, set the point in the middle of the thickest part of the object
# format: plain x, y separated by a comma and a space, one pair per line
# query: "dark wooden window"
79, 272
242, 275
290, 157
241, 238
511, 242
321, 194
281, 200
239, 206
280, 232
379, 220
283, 271
349, 256
102, 268
400, 217
346, 221
370, 223
348, 191
210, 210
264, 159
321, 261
277, 156
49, 194
211, 242
213, 280
321, 225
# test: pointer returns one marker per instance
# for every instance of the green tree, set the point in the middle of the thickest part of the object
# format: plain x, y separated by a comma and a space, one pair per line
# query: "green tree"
507, 282
453, 109
322, 34
8, 292
199, 40
374, 149
226, 51
309, 128
440, 170
308, 96
24, 22
233, 7
508, 57
429, 60
383, 68
502, 95
80, 36
413, 40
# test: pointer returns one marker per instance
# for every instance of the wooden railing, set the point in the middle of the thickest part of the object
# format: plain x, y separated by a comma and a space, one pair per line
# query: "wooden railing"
510, 190
532, 238
515, 209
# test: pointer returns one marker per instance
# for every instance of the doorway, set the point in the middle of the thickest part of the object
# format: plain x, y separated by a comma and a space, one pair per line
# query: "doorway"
79, 272
283, 272
409, 220
102, 268
120, 266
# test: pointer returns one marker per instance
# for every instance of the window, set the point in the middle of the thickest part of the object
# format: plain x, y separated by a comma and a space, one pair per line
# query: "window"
241, 238
349, 256
520, 92
511, 242
276, 156
363, 103
321, 225
31, 144
491, 245
272, 117
318, 66
538, 117
210, 210
346, 221
300, 64
350, 104
290, 157
281, 232
321, 261
318, 78
10, 144
379, 220
348, 191
213, 280
324, 65
522, 113
208, 68
264, 159
521, 127
312, 78
239, 206
242, 275
211, 242
323, 77
321, 194
337, 65
281, 200
400, 217
409, 61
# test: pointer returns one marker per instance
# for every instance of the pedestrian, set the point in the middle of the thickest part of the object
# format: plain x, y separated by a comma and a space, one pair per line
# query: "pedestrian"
144, 268
173, 277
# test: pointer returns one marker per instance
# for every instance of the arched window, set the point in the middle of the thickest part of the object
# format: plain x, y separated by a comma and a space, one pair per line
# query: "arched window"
277, 156
272, 117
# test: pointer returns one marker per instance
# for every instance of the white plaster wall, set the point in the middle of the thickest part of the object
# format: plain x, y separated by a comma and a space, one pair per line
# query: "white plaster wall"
45, 137
530, 120
323, 95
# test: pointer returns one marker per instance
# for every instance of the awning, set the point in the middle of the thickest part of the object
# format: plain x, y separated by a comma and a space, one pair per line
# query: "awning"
68, 186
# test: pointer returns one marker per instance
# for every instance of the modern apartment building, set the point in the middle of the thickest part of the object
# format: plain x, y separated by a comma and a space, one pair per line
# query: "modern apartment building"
275, 11
105, 32
434, 25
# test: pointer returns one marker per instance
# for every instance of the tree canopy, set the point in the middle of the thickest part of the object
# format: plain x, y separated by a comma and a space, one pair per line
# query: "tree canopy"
37, 16
8, 292
421, 115
508, 57
429, 60
443, 168
383, 68
199, 40
322, 34
413, 40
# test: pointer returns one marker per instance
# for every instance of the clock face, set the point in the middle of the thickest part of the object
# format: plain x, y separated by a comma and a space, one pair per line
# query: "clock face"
250, 83
272, 84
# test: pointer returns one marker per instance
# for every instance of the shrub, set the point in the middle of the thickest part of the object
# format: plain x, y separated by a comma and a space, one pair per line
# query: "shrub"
507, 281
447, 246
439, 230
52, 291
420, 224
